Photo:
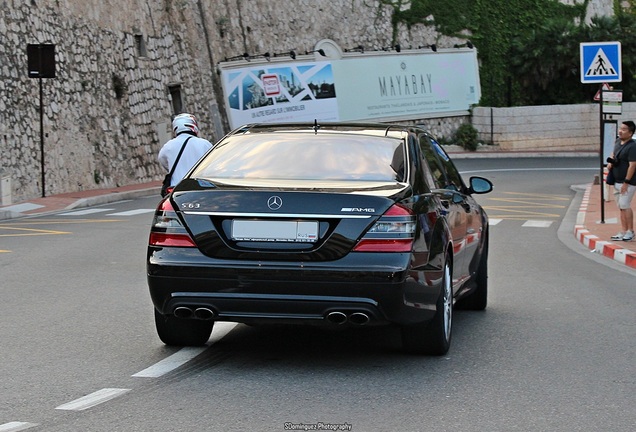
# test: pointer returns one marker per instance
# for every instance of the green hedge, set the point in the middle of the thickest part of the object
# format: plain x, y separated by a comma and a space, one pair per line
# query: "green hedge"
466, 136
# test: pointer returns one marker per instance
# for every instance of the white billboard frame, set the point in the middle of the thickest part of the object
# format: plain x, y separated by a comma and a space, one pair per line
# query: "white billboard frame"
376, 86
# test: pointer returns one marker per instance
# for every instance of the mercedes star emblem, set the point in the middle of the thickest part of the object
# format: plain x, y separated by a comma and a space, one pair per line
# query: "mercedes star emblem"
274, 202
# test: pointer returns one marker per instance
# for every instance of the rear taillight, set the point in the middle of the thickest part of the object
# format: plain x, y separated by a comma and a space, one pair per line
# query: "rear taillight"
393, 232
167, 229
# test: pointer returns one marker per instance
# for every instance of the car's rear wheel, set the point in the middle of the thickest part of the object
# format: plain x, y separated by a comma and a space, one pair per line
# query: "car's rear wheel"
478, 299
434, 337
182, 332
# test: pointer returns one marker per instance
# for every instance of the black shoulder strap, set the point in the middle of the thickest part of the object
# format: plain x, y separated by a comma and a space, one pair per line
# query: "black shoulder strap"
176, 161
620, 150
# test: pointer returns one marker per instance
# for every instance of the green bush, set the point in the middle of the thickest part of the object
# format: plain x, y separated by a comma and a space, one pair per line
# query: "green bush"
466, 136
444, 141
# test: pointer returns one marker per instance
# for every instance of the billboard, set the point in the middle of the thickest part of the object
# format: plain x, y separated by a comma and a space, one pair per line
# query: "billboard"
373, 87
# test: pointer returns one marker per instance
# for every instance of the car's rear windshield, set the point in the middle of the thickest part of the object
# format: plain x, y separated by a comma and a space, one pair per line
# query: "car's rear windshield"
305, 157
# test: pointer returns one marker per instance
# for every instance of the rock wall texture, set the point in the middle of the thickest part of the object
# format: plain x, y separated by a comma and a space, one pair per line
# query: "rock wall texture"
557, 128
119, 62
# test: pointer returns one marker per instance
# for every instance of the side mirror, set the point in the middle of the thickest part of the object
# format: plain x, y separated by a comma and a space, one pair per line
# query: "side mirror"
480, 185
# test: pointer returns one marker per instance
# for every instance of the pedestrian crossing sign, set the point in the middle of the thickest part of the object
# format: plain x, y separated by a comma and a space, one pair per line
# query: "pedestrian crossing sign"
601, 62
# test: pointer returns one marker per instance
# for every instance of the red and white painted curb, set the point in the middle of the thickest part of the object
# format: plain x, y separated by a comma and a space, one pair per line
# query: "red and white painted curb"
611, 250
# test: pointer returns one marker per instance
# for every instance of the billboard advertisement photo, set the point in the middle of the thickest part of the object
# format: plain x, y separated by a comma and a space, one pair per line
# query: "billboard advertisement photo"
374, 87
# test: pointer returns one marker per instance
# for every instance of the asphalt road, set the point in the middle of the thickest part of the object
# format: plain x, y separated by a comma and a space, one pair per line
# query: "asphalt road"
553, 352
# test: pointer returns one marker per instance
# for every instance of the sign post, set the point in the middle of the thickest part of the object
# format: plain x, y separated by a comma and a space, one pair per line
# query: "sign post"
601, 64
41, 64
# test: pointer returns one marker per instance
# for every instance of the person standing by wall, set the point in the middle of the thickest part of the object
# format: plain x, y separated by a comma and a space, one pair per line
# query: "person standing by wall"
622, 163
184, 128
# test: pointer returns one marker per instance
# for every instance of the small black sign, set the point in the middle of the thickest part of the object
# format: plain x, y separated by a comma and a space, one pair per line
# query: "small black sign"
41, 60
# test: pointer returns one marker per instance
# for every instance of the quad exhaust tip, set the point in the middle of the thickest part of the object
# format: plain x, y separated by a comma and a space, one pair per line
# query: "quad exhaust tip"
356, 318
201, 313
204, 313
183, 312
359, 318
338, 318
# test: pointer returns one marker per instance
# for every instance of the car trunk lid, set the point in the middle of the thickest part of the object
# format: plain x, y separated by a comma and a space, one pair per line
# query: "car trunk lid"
311, 221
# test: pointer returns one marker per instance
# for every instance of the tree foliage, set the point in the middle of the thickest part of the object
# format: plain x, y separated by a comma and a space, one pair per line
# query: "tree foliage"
529, 49
546, 61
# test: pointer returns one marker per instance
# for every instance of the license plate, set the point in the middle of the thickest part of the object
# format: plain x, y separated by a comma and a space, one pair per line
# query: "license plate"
275, 231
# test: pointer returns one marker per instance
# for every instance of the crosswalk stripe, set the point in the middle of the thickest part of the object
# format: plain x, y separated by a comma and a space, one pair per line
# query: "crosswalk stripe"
86, 212
132, 212
529, 223
537, 224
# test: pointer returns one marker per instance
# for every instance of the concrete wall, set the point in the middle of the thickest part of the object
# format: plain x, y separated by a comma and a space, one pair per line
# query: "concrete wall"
594, 8
554, 127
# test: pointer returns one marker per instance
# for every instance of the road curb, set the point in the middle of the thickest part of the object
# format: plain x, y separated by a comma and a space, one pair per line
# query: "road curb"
114, 197
5, 214
610, 250
88, 202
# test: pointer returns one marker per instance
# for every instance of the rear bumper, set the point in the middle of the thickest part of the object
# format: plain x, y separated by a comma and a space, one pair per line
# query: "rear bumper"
378, 286
262, 308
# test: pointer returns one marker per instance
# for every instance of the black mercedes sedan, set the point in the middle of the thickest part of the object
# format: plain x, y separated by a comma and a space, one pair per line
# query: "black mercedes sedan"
335, 224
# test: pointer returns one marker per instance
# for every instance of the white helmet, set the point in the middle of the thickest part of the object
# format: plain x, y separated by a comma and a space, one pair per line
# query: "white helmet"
185, 123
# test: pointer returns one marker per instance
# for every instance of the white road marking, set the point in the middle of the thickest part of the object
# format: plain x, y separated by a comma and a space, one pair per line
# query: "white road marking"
16, 426
537, 224
132, 212
87, 211
494, 221
529, 169
184, 355
168, 364
93, 399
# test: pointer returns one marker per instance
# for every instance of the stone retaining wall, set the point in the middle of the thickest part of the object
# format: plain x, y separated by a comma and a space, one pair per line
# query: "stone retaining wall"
106, 113
554, 127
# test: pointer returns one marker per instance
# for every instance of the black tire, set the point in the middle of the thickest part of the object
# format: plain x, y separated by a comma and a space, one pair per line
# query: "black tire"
434, 337
182, 332
478, 298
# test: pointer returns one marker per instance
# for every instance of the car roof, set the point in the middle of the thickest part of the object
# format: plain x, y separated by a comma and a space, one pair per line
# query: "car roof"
357, 128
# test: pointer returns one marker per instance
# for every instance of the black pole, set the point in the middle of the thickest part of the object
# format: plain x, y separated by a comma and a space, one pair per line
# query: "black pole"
41, 64
602, 181
42, 136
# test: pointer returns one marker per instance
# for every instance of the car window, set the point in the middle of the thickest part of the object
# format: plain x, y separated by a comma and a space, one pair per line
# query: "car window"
444, 173
453, 178
437, 175
306, 157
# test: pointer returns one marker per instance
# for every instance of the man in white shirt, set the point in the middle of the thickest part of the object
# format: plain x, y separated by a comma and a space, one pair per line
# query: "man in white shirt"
184, 126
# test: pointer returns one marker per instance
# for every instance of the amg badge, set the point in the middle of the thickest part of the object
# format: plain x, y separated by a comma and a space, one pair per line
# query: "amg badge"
358, 209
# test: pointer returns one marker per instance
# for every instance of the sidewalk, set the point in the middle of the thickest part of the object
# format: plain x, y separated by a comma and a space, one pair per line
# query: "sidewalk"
73, 200
588, 230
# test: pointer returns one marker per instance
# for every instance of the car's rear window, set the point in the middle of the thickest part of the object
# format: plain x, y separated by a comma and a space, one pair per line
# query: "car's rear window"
305, 157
